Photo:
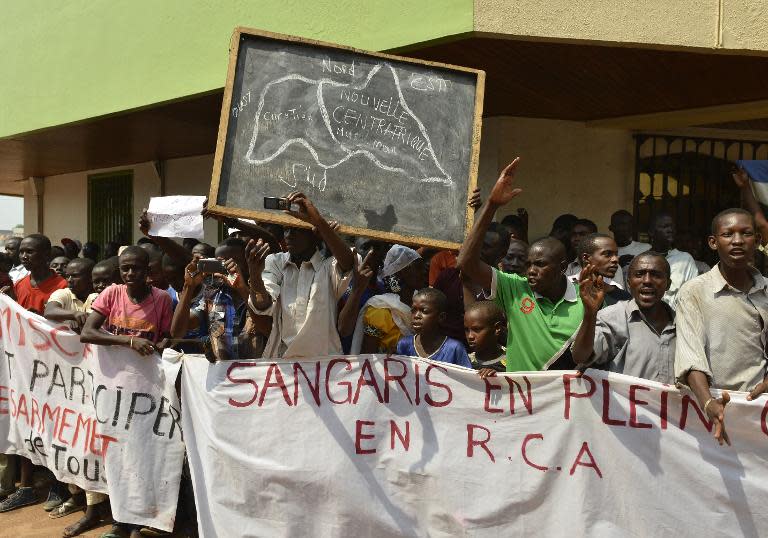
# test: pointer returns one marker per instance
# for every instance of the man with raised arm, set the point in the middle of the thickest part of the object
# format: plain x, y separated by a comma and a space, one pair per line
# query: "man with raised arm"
634, 337
543, 308
722, 321
300, 288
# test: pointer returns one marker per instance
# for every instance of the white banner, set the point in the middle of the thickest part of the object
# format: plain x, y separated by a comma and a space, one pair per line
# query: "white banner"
395, 446
92, 412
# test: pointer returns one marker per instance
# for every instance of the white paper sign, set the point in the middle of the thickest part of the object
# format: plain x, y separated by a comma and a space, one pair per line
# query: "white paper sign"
176, 216
103, 418
379, 446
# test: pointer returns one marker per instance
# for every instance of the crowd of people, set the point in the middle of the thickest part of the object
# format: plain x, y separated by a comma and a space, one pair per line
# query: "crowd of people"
576, 299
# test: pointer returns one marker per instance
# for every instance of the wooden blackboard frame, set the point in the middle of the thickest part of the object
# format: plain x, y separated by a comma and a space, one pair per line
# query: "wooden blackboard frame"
281, 218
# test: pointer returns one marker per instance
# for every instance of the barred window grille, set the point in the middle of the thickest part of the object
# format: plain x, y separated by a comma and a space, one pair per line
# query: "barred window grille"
110, 208
690, 178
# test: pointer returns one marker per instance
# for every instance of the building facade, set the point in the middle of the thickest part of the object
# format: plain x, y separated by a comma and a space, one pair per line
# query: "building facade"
612, 104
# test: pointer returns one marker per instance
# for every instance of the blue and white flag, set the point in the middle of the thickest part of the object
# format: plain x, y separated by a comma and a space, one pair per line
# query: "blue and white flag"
758, 175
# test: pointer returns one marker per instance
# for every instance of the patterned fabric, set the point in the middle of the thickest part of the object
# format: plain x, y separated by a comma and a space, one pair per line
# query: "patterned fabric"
223, 316
378, 322
499, 363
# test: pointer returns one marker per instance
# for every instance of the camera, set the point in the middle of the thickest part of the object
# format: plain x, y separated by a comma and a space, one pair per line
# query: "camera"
271, 202
211, 265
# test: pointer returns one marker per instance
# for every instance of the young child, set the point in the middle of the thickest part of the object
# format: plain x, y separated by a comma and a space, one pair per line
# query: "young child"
104, 274
429, 341
72, 304
59, 264
484, 326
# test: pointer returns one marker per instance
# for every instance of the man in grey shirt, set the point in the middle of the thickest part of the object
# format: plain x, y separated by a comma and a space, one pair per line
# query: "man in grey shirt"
722, 319
634, 337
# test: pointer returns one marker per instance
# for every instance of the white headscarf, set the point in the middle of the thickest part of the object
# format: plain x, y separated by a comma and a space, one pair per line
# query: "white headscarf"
398, 258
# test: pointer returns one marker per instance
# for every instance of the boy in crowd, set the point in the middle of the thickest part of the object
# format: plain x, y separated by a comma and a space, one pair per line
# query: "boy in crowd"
634, 337
516, 225
220, 312
581, 229
156, 274
72, 247
543, 310
17, 271
494, 247
515, 259
721, 321
561, 230
683, 267
429, 340
71, 304
32, 292
91, 251
299, 288
623, 229
484, 326
5, 266
104, 274
600, 251
135, 315
203, 250
58, 265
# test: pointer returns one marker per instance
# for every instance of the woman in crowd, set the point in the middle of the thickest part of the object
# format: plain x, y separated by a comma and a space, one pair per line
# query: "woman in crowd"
386, 318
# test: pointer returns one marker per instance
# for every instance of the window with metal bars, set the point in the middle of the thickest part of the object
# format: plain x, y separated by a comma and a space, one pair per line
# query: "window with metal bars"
110, 208
689, 178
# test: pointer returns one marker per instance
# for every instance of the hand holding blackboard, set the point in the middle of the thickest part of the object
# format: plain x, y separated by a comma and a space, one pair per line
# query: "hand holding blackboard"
385, 144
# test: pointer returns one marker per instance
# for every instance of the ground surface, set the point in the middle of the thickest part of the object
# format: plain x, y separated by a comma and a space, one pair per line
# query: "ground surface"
33, 522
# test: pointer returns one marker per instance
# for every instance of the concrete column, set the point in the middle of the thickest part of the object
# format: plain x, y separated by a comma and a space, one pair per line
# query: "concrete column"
34, 189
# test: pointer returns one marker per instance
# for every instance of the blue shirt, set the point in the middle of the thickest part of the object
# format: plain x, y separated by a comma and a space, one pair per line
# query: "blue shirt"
222, 315
452, 351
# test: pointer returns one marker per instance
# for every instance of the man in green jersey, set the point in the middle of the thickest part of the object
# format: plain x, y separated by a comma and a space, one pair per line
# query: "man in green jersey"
543, 308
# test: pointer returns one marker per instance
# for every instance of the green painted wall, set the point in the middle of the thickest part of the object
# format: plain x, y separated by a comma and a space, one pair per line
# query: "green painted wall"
67, 61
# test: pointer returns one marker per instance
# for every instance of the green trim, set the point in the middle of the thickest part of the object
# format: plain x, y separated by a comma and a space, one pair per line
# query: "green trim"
80, 59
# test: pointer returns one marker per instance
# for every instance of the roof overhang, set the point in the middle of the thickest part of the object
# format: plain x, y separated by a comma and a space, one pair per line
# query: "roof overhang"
605, 86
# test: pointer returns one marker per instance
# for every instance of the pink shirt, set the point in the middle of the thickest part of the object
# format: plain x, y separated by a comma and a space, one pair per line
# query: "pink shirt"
149, 319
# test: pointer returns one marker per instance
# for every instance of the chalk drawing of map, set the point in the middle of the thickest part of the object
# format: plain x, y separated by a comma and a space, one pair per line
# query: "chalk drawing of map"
335, 121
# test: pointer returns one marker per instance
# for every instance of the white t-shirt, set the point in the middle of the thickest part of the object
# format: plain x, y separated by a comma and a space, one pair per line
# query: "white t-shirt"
683, 269
633, 249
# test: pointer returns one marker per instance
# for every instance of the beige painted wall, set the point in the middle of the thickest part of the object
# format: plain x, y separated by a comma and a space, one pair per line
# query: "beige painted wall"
65, 206
711, 24
565, 167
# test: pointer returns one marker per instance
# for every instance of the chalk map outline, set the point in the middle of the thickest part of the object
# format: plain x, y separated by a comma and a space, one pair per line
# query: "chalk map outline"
326, 119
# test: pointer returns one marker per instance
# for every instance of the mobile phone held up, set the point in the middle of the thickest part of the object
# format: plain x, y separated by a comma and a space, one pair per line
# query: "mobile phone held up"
211, 266
271, 202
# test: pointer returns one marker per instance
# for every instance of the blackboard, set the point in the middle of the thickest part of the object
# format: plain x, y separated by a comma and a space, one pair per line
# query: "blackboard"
386, 145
